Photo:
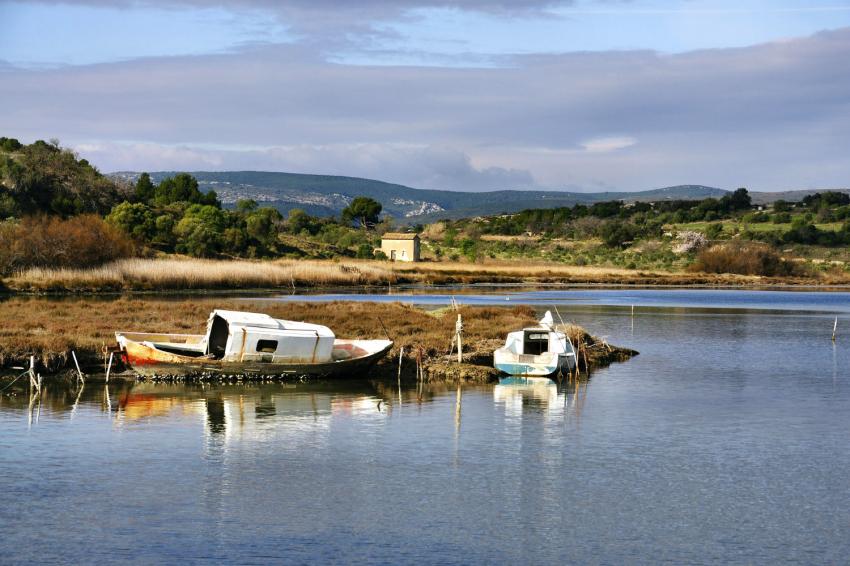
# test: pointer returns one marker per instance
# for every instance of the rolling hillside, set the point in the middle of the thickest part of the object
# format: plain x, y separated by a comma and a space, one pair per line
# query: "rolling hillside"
326, 195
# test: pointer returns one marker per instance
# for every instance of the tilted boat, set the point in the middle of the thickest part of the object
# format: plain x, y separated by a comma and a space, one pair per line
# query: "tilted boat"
250, 344
538, 351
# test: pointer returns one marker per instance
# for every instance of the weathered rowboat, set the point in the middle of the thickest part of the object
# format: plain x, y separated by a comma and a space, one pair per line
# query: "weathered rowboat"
539, 351
250, 344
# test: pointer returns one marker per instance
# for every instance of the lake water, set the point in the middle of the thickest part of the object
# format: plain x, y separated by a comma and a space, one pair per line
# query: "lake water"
726, 441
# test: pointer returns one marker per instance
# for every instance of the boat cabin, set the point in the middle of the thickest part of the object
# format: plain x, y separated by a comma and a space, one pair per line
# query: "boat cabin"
243, 336
536, 341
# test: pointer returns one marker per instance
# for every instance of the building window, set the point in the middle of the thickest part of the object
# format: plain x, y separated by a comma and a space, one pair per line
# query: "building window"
267, 346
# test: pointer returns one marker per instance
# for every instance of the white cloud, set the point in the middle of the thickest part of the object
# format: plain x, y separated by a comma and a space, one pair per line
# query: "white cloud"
606, 144
768, 116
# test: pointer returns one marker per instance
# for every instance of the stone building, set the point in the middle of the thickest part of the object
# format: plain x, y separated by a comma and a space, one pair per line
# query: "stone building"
401, 246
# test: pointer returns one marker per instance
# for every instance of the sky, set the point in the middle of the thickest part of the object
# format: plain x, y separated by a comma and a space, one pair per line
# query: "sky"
443, 94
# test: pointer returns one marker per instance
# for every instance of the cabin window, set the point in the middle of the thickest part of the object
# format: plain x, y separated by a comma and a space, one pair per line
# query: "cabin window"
267, 346
535, 343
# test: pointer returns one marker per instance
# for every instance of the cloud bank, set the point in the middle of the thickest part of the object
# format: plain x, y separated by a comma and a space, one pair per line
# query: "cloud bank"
769, 116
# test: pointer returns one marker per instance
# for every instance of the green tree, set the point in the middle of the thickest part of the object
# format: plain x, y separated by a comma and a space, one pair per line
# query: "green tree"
246, 205
781, 206
299, 221
616, 234
235, 240
739, 200
135, 219
262, 225
10, 144
165, 230
183, 188
145, 189
364, 210
201, 231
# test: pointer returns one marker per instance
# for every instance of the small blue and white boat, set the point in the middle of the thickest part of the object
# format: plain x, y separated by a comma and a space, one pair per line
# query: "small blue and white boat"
539, 351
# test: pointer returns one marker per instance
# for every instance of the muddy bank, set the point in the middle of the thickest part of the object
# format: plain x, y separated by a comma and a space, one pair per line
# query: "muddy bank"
50, 331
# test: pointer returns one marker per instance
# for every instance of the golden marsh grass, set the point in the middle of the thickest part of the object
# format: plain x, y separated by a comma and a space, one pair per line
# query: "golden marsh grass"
198, 274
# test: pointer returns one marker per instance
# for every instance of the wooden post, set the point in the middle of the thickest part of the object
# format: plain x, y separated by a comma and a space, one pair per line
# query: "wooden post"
834, 328
459, 334
76, 363
109, 367
400, 354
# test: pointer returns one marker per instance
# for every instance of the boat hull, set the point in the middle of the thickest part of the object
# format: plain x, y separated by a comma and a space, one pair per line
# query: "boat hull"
147, 361
512, 364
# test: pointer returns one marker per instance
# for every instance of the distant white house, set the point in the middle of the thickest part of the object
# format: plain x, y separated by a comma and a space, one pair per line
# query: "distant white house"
400, 246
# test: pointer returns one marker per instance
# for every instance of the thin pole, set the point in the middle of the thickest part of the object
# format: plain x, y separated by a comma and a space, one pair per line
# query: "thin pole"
834, 328
459, 333
109, 367
400, 354
76, 363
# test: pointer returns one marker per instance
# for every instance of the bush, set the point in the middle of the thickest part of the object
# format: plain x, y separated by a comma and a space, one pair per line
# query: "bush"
42, 241
617, 234
745, 258
365, 251
713, 231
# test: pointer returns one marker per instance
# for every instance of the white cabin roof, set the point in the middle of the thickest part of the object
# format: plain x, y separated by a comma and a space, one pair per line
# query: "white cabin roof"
264, 321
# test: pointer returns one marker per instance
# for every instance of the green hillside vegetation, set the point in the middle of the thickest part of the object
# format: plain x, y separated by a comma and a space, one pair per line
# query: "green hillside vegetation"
43, 178
59, 211
655, 235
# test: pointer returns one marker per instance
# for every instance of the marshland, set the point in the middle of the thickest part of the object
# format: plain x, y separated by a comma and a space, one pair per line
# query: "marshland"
51, 330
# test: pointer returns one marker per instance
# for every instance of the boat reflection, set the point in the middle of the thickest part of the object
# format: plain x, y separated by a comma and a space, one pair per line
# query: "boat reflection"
540, 395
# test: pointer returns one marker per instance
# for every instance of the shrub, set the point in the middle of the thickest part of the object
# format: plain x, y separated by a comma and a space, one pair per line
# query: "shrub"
365, 251
690, 242
745, 258
713, 231
42, 241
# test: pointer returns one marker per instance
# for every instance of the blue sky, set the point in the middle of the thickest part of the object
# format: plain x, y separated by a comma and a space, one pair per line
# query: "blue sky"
456, 94
44, 34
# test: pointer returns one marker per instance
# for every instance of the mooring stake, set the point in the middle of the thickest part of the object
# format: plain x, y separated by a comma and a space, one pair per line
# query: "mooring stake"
109, 367
76, 363
459, 334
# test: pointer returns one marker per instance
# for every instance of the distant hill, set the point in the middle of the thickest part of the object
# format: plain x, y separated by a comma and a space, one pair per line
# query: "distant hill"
326, 195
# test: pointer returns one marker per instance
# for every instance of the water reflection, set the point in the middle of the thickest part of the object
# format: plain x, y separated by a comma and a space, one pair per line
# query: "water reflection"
245, 410
540, 395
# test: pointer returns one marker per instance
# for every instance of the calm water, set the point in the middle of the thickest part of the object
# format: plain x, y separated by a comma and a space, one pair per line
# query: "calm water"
726, 441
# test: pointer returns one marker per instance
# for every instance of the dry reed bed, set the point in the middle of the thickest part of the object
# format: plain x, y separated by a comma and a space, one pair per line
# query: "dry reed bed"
50, 329
170, 274
200, 274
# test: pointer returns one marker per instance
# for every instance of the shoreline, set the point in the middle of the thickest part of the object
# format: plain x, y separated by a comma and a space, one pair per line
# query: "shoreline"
62, 327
